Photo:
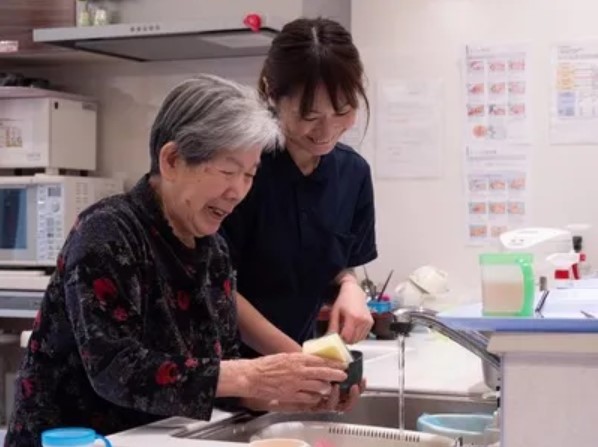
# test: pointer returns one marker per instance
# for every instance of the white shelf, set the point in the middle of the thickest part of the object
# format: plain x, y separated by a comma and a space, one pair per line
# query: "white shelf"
12, 313
32, 92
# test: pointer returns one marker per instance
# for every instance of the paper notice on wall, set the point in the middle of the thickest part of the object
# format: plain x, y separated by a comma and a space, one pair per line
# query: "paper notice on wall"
355, 135
409, 128
497, 97
574, 95
496, 185
12, 133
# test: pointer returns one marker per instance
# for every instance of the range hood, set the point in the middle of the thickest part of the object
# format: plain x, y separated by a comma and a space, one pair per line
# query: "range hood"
197, 39
157, 30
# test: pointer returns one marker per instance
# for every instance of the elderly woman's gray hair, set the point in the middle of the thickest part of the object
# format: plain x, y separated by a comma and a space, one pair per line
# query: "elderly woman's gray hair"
207, 114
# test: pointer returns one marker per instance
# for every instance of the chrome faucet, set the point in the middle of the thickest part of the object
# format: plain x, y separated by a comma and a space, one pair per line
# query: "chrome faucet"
474, 341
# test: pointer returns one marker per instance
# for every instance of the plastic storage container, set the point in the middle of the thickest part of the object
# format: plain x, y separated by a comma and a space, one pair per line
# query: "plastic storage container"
470, 427
72, 437
383, 317
507, 284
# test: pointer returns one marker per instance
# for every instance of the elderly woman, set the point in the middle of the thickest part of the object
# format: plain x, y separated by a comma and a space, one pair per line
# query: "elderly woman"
139, 320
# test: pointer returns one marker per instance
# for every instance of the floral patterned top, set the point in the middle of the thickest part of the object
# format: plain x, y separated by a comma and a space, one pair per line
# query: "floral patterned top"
132, 327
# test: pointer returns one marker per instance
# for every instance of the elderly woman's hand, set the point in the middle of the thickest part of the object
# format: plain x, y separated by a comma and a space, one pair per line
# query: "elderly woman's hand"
335, 402
293, 378
340, 402
348, 401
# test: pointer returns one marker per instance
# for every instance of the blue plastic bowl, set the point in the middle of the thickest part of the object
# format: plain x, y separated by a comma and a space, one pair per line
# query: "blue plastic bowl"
380, 307
71, 437
470, 427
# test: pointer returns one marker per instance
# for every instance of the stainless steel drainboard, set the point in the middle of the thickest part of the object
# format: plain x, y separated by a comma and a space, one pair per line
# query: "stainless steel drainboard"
373, 409
321, 433
242, 426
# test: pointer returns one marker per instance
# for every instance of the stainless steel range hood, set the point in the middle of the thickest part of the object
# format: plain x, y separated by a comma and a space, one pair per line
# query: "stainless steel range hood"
157, 30
158, 41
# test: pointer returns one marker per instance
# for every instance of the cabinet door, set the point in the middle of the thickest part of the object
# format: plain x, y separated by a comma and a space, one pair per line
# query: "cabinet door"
19, 17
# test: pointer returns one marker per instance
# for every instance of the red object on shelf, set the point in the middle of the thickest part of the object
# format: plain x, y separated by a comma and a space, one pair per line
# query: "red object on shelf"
575, 270
253, 22
561, 274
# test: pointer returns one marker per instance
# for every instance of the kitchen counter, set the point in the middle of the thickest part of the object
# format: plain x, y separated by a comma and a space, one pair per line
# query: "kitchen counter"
433, 363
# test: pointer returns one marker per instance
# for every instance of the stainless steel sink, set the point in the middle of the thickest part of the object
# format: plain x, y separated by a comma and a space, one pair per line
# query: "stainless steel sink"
376, 409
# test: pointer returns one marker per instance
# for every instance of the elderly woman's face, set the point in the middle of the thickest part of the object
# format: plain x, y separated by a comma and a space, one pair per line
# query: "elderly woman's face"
201, 196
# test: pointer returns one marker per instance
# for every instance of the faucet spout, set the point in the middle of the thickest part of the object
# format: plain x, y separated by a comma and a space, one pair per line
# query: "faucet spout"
474, 341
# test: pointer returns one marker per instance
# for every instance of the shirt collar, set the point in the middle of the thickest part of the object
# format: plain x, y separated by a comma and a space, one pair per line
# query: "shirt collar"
150, 210
288, 169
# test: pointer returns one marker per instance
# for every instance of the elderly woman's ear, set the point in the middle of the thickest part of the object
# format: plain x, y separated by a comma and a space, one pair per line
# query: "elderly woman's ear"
169, 159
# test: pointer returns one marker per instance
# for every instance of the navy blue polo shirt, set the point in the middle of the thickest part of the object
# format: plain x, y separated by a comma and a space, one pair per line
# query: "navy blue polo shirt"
293, 234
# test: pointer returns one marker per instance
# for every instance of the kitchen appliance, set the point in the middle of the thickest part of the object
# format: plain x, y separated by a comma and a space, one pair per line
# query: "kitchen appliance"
45, 129
37, 212
152, 30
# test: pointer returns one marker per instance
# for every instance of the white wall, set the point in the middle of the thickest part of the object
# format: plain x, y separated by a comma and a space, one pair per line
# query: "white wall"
422, 221
419, 221
130, 94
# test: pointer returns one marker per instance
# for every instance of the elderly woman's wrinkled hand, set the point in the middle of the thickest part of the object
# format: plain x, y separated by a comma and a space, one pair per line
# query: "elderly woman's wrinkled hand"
337, 401
334, 402
340, 402
348, 401
294, 378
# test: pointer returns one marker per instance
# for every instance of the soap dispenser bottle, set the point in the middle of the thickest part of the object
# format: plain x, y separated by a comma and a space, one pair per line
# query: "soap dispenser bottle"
583, 268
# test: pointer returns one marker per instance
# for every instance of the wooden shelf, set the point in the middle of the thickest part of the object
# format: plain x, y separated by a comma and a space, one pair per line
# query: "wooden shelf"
18, 19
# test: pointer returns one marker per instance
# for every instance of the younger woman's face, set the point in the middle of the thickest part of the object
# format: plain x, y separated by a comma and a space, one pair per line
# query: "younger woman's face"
319, 131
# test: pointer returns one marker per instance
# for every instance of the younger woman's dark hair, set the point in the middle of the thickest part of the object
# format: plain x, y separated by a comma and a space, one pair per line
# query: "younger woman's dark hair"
312, 51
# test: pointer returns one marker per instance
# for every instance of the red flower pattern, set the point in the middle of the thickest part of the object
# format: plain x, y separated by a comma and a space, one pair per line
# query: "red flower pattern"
167, 373
38, 320
85, 356
218, 349
136, 277
183, 299
120, 314
27, 388
191, 363
60, 264
227, 288
34, 345
104, 289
